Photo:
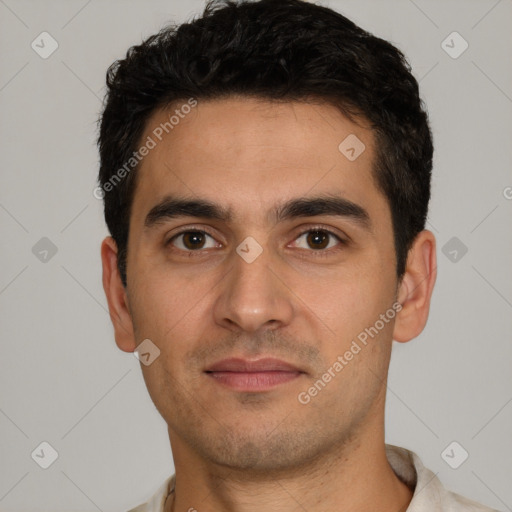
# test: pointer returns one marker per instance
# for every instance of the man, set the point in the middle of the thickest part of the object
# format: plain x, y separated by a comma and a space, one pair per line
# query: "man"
266, 178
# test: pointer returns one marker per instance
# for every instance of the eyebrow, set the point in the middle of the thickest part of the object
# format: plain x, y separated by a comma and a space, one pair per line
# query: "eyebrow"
172, 207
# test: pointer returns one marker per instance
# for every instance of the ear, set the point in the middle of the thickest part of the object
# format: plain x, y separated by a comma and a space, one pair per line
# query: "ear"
415, 288
116, 296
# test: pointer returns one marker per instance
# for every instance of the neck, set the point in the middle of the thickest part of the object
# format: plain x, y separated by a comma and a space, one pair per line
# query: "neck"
355, 477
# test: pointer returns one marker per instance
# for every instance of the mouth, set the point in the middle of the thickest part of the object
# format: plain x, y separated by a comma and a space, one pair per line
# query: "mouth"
252, 376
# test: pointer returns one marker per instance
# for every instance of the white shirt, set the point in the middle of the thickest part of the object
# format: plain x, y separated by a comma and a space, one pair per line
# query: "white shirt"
429, 494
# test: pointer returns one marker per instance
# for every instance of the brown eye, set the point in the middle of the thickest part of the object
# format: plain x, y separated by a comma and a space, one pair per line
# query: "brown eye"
318, 239
191, 240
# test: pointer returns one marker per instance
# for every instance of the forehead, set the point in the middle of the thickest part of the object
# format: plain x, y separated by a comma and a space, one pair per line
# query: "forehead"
250, 154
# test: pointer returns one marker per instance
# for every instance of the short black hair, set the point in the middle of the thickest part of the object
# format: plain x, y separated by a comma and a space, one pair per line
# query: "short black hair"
285, 50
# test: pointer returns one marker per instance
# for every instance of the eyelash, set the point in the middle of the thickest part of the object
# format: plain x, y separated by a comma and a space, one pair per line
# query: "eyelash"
317, 253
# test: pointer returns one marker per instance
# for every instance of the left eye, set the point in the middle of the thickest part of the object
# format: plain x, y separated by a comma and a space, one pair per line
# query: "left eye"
318, 239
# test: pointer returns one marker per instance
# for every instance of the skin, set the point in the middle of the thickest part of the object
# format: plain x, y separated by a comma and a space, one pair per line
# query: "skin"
253, 451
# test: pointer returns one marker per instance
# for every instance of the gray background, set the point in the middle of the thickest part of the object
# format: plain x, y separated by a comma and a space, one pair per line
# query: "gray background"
62, 378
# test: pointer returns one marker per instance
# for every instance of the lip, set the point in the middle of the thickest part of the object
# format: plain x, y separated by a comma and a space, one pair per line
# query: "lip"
252, 375
265, 364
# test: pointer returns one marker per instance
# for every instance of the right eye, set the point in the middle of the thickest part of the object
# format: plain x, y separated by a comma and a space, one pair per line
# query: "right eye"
191, 240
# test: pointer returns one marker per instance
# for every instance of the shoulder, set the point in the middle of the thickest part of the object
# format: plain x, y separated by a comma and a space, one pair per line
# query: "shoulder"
452, 502
157, 500
429, 493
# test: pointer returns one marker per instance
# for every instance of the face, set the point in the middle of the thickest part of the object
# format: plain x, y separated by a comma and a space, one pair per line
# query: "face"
260, 274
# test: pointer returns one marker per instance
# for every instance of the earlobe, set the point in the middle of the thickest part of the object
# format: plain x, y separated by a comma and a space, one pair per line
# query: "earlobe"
116, 297
416, 286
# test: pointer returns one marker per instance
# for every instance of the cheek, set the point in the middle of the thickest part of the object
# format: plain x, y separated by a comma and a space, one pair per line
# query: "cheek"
175, 313
350, 304
160, 303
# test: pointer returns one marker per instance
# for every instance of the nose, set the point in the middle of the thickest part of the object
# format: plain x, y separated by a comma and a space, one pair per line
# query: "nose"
253, 296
